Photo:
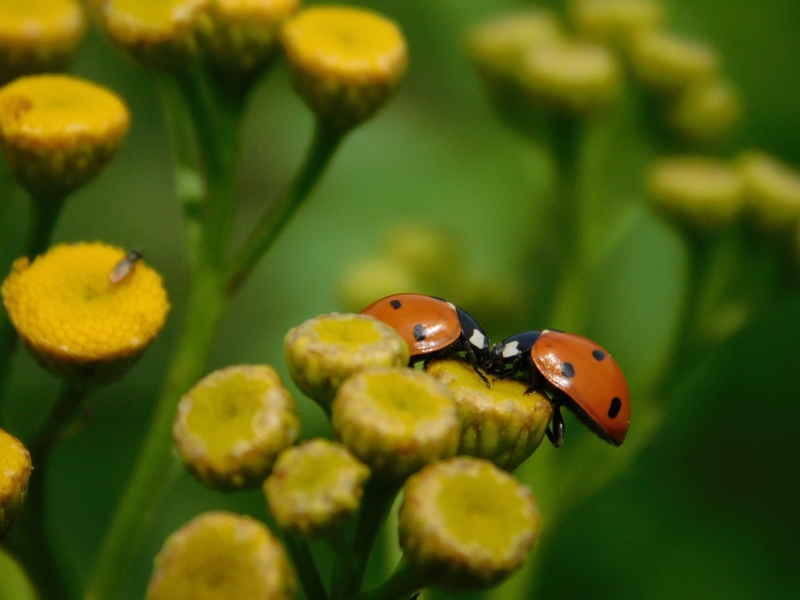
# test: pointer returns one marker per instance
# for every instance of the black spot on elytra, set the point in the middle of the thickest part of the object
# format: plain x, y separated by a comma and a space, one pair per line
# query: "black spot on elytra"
598, 354
395, 304
419, 332
567, 370
616, 405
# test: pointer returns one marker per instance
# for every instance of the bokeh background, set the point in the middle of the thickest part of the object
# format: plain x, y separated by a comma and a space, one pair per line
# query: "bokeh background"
708, 510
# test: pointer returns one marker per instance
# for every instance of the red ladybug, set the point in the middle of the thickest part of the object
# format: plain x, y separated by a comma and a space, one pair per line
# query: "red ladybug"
432, 326
577, 373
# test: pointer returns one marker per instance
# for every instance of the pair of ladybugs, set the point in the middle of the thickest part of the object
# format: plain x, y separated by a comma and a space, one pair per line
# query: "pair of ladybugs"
574, 371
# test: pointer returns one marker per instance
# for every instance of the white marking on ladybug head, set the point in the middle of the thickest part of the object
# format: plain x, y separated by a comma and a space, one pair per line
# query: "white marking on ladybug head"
477, 339
510, 349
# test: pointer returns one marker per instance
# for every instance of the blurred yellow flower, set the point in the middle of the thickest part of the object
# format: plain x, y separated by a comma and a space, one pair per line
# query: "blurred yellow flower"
15, 469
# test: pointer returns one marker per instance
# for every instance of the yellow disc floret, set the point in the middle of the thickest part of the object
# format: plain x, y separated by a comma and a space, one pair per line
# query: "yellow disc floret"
38, 36
222, 556
74, 320
346, 62
59, 131
15, 469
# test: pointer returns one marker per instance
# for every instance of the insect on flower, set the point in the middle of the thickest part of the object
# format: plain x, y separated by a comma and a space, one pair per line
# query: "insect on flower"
124, 267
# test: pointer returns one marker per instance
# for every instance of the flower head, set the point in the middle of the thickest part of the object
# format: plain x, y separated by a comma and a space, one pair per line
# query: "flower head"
221, 556
77, 323
668, 63
707, 112
59, 131
15, 469
396, 421
502, 423
615, 21
315, 487
323, 352
772, 189
345, 62
465, 524
231, 426
37, 37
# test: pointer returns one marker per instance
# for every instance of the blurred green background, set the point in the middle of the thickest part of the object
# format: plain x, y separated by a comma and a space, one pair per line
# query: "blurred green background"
708, 510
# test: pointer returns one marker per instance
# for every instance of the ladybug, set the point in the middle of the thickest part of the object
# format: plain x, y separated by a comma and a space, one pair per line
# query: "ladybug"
432, 327
576, 372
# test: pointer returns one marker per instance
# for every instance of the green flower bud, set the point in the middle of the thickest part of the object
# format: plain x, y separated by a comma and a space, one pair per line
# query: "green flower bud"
465, 524
772, 189
222, 556
615, 22
707, 112
345, 62
697, 192
501, 423
15, 469
158, 33
668, 64
315, 488
571, 77
231, 426
38, 37
365, 281
59, 131
396, 421
431, 253
323, 352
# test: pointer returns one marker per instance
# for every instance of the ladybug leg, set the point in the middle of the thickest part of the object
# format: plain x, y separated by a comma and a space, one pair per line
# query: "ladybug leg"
475, 368
527, 367
556, 434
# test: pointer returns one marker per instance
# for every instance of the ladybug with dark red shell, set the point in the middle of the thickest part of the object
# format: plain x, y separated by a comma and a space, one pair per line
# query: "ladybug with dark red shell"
433, 327
576, 373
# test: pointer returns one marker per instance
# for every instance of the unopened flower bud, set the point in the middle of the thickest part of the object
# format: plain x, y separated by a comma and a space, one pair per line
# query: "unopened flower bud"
707, 112
668, 63
222, 556
59, 131
615, 22
573, 78
323, 352
315, 487
772, 189
75, 321
15, 469
231, 426
465, 524
500, 423
345, 62
243, 36
396, 421
697, 192
158, 33
38, 37
373, 278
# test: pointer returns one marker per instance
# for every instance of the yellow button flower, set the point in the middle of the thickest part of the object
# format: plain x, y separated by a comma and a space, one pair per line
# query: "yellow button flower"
160, 33
74, 320
231, 426
59, 131
15, 469
772, 189
668, 63
222, 556
615, 21
346, 62
38, 36
707, 112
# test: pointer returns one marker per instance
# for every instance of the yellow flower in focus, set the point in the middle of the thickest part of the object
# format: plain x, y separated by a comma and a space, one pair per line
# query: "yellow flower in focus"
346, 62
15, 469
222, 556
74, 320
38, 35
59, 131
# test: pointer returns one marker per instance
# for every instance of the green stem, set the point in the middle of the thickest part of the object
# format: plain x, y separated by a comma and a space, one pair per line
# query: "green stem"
323, 147
30, 541
404, 582
306, 567
157, 462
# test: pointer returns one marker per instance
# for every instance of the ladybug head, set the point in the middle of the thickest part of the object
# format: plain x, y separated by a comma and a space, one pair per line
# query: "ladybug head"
494, 362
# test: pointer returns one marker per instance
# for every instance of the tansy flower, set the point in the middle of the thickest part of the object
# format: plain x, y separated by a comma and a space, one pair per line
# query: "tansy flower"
345, 62
465, 524
615, 21
59, 131
230, 427
15, 469
668, 63
74, 320
315, 487
772, 189
222, 556
706, 112
38, 36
